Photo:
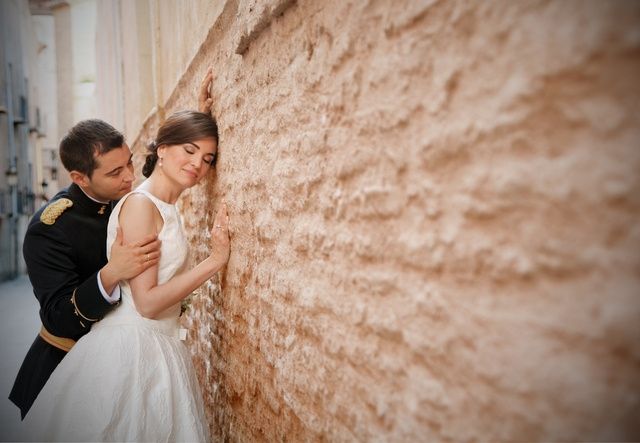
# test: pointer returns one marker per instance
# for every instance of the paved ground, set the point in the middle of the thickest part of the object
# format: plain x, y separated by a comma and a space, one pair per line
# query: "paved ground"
19, 324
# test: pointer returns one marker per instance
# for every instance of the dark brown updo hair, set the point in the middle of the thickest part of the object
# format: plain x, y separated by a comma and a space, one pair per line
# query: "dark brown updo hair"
181, 127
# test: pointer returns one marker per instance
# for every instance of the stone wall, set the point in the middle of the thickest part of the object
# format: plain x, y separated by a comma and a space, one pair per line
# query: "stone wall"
434, 212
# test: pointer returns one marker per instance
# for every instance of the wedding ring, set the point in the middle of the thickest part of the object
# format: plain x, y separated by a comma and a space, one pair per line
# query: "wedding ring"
219, 226
146, 257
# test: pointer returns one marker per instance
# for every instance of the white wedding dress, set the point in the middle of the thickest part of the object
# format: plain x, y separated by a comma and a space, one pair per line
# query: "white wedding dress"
130, 378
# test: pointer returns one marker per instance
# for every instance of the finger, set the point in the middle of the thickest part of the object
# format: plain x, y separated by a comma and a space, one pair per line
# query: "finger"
206, 81
150, 247
219, 233
146, 240
225, 216
205, 105
149, 256
224, 221
223, 235
221, 223
218, 217
208, 74
148, 264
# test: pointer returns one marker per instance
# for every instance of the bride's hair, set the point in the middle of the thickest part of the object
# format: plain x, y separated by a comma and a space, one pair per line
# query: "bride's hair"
180, 127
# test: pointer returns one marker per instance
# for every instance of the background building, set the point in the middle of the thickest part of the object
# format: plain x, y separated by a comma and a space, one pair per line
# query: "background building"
19, 131
48, 81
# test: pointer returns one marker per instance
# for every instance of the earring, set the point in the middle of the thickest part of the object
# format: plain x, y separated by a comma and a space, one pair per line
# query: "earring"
160, 161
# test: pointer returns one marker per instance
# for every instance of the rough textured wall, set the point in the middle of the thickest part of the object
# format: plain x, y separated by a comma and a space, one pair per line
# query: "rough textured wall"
434, 211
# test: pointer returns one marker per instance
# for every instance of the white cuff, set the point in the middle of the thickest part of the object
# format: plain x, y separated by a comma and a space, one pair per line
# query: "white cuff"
112, 298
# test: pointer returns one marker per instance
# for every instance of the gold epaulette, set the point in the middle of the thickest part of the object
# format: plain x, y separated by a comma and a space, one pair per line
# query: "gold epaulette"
53, 211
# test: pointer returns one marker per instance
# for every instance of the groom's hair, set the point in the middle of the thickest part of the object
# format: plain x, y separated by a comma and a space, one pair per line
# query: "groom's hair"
86, 141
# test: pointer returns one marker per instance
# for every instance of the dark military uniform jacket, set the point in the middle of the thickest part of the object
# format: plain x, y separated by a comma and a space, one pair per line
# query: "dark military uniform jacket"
64, 248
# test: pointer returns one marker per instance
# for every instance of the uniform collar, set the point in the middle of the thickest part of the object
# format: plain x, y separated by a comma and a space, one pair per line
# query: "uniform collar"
87, 204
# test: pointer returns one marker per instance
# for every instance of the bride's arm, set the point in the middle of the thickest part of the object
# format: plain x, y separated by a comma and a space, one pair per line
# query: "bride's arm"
138, 218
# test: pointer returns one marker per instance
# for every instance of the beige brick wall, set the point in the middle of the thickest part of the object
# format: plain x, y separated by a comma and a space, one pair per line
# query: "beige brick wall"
434, 210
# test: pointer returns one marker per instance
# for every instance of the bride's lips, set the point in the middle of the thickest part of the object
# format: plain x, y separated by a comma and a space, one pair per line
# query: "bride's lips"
191, 173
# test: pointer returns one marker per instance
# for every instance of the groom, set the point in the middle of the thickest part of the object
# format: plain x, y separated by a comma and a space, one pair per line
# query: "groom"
65, 248
65, 251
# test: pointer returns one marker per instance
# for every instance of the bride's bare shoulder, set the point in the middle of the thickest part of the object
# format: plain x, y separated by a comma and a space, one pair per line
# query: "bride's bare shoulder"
139, 206
137, 200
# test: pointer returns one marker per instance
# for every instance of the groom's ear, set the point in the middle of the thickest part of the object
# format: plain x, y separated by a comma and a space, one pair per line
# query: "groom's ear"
79, 178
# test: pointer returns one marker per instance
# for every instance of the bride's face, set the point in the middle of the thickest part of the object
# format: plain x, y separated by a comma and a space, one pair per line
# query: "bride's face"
188, 162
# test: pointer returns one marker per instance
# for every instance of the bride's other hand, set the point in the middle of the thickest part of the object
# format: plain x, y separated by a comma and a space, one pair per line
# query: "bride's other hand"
220, 237
204, 94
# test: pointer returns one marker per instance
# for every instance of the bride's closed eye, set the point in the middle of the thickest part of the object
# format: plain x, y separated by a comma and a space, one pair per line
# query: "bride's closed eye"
207, 158
189, 148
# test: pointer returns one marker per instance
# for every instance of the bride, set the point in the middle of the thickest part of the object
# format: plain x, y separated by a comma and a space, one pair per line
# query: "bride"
131, 378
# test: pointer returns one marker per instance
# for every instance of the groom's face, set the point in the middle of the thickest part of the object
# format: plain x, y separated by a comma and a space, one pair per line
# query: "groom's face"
113, 176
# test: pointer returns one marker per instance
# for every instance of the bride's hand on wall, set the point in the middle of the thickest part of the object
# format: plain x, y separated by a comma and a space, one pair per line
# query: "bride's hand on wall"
220, 237
204, 94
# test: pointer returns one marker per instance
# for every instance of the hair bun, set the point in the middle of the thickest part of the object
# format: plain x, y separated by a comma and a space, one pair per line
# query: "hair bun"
149, 164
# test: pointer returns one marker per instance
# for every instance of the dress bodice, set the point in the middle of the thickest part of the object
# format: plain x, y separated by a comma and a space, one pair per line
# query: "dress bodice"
173, 255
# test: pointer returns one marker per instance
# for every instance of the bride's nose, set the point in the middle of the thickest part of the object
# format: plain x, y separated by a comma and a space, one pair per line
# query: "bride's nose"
196, 161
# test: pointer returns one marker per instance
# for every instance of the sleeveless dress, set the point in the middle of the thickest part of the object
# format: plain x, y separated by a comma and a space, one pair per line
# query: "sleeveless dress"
130, 378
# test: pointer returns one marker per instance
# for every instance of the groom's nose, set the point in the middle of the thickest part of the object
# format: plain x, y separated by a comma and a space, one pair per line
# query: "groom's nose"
128, 175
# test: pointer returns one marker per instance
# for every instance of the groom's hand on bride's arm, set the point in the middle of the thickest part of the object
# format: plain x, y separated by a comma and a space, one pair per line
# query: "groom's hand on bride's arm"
129, 260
